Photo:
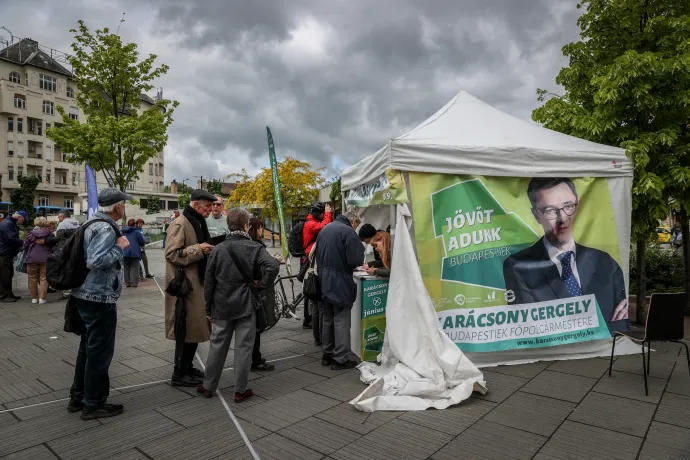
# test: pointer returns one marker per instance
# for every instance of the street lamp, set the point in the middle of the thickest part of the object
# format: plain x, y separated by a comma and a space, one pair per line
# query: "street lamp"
185, 181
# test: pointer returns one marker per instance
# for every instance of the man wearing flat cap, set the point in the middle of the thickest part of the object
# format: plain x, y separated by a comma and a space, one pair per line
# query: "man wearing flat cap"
187, 246
95, 300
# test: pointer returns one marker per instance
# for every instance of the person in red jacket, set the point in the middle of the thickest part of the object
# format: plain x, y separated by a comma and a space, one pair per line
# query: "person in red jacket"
320, 215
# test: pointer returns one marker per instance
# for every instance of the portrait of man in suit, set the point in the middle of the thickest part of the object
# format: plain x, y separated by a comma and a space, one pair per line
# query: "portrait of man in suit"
557, 267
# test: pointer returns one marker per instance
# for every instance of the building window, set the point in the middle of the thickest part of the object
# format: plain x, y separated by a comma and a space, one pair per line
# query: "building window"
10, 148
39, 128
10, 124
15, 77
47, 127
68, 202
48, 176
20, 101
43, 201
48, 83
49, 107
75, 179
150, 169
20, 125
74, 116
157, 169
131, 185
20, 172
10, 173
70, 92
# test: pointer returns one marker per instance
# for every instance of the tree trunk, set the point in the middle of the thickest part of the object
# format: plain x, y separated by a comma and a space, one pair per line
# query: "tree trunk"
640, 316
683, 219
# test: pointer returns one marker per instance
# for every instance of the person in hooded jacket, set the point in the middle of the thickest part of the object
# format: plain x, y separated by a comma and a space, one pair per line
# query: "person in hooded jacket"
320, 215
37, 247
132, 255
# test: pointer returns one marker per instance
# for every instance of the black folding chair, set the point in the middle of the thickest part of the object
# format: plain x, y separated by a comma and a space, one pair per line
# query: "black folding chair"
665, 323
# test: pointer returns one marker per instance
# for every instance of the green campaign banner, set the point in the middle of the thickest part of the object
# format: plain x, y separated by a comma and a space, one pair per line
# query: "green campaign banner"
514, 263
374, 297
278, 197
388, 189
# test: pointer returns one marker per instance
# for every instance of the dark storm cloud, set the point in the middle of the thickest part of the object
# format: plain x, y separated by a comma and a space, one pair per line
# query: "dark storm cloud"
333, 79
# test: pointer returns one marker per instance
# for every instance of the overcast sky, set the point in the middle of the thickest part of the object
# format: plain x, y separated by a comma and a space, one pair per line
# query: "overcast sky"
334, 79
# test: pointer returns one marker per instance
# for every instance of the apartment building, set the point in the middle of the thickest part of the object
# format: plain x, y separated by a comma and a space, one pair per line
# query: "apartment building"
34, 80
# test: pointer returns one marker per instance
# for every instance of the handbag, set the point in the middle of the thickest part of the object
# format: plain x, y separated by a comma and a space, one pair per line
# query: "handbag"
311, 287
20, 263
261, 322
73, 321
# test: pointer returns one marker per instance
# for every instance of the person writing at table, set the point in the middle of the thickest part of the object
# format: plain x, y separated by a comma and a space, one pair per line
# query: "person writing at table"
382, 245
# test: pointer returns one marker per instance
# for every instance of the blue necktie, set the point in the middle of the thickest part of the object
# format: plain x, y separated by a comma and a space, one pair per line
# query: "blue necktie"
568, 277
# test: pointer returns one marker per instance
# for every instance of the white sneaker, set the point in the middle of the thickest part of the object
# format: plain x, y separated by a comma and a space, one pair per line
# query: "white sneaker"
43, 301
34, 300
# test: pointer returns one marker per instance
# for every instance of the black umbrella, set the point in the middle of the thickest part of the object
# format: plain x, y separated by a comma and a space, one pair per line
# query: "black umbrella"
180, 287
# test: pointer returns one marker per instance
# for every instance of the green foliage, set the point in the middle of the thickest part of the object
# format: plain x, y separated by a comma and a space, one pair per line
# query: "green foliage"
134, 202
336, 195
23, 197
628, 85
664, 268
184, 188
153, 204
166, 189
119, 136
215, 187
183, 199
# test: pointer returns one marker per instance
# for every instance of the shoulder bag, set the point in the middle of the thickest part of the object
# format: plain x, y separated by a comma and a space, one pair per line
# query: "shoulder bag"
261, 322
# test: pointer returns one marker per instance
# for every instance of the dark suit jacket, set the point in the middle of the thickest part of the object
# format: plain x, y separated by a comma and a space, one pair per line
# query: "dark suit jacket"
533, 277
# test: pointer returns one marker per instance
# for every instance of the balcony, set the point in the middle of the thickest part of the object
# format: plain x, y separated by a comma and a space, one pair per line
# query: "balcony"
35, 150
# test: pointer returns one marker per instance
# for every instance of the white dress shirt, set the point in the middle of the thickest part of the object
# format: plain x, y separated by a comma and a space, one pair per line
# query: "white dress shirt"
555, 256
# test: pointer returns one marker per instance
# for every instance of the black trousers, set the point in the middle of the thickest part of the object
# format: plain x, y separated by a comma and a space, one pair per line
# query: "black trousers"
257, 359
184, 357
6, 275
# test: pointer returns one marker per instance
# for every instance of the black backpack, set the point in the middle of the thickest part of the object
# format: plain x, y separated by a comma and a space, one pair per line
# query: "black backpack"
296, 241
66, 268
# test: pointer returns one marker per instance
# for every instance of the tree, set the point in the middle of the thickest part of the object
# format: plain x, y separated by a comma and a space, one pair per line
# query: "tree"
184, 188
153, 205
336, 195
119, 136
299, 187
215, 187
166, 189
23, 197
628, 85
183, 199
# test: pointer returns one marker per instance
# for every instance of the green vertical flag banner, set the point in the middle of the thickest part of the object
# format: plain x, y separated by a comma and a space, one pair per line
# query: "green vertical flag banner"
278, 198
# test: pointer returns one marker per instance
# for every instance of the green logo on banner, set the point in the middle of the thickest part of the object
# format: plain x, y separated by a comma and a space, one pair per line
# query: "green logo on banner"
373, 339
478, 234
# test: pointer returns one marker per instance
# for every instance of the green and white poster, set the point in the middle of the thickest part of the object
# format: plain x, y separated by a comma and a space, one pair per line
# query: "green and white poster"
514, 263
374, 297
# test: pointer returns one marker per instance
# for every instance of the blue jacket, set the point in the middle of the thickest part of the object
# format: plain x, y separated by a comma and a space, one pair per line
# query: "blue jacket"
136, 241
103, 258
10, 244
338, 253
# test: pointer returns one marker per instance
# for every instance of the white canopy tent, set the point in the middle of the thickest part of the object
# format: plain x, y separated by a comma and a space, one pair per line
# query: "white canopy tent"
469, 137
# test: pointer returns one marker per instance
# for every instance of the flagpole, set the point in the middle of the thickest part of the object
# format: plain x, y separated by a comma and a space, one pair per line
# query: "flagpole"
279, 200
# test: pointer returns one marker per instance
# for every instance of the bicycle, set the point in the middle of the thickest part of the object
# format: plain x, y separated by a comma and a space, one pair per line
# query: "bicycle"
283, 308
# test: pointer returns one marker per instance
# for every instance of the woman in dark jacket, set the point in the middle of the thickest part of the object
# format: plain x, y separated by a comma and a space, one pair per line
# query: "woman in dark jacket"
268, 299
229, 292
37, 247
132, 255
382, 245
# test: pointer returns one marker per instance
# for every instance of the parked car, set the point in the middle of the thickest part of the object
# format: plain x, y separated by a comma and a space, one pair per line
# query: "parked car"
663, 235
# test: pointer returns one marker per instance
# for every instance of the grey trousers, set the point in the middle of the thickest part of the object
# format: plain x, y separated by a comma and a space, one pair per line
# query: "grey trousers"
131, 271
336, 332
221, 336
317, 319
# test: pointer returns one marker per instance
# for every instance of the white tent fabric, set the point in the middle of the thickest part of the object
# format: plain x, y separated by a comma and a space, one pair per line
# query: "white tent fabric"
468, 136
421, 366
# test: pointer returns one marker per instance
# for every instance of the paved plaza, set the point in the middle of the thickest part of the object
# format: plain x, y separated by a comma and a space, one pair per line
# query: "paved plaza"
544, 410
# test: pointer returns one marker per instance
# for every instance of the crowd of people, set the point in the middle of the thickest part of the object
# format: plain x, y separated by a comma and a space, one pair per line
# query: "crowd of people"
219, 285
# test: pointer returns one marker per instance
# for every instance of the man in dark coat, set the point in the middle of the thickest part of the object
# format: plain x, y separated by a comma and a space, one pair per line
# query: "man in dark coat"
10, 244
338, 253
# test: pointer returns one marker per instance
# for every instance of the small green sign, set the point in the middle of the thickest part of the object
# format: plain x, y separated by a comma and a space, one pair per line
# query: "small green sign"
374, 298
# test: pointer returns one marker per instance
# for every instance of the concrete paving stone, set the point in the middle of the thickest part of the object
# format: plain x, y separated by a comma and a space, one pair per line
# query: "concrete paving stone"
660, 368
41, 401
453, 420
6, 418
6, 365
285, 410
39, 330
282, 383
132, 454
556, 385
346, 416
536, 414
7, 334
136, 315
215, 439
396, 439
121, 435
39, 358
227, 378
124, 351
57, 382
576, 440
167, 356
291, 334
38, 370
193, 411
22, 390
139, 378
623, 415
679, 383
275, 447
500, 386
147, 398
144, 363
315, 367
158, 346
323, 437
593, 368
285, 363
674, 410
631, 386
666, 442
16, 324
39, 452
23, 435
489, 441
526, 371
343, 387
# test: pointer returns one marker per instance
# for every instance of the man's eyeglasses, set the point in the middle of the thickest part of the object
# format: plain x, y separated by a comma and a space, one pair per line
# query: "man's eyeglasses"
217, 205
553, 213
